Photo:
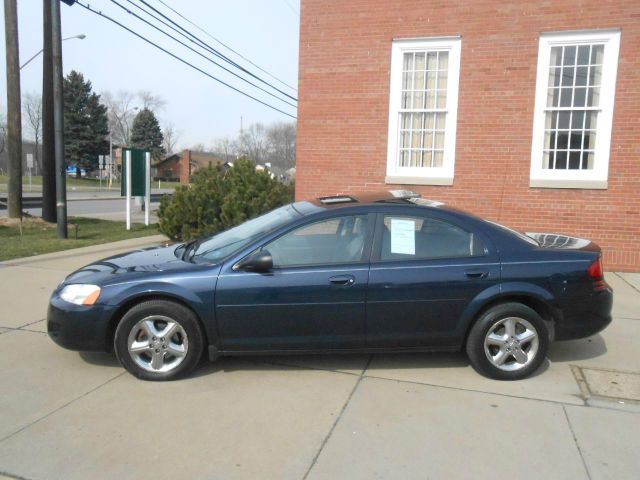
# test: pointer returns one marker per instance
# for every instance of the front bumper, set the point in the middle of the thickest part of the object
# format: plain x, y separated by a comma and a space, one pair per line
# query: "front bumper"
78, 327
586, 316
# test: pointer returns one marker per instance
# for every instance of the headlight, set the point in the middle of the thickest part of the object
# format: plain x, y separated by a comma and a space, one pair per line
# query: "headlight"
80, 294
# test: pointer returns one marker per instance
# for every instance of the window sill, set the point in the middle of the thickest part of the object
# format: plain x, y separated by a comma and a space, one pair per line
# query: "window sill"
580, 184
400, 180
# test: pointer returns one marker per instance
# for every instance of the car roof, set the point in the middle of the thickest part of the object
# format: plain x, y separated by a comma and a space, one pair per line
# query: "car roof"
398, 197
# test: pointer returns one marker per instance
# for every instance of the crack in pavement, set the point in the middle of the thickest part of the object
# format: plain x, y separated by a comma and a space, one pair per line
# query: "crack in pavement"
21, 429
435, 385
627, 282
344, 407
575, 440
12, 476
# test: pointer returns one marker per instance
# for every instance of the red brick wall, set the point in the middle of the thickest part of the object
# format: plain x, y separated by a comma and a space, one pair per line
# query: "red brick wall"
185, 167
345, 51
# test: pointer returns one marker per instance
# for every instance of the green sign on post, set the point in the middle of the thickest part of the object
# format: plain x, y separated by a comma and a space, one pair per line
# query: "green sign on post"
136, 180
138, 172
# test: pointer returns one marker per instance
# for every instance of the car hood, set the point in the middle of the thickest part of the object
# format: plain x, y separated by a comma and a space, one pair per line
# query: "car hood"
143, 261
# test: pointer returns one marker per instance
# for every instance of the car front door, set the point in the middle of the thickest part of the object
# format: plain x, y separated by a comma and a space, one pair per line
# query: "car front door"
425, 270
312, 299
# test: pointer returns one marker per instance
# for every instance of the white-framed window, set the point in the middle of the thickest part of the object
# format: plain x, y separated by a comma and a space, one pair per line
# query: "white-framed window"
423, 104
575, 91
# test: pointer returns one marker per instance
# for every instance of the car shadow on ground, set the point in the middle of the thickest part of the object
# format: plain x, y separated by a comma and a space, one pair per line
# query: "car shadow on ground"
559, 352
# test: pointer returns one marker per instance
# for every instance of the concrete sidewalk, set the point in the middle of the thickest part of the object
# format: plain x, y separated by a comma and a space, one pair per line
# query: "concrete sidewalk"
65, 415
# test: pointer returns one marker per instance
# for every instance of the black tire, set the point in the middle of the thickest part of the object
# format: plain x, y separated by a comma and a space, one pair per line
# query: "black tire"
188, 336
494, 320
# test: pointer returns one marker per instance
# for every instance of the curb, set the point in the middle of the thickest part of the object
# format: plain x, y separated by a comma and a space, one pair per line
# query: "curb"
133, 243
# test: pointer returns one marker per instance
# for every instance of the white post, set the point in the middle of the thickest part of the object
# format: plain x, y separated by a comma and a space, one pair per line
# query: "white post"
29, 167
128, 180
147, 187
111, 162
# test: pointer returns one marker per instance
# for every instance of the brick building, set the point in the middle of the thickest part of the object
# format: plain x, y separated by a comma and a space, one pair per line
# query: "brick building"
526, 113
180, 166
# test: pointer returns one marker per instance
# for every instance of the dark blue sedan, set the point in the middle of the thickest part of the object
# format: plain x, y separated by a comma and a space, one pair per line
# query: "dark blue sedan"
367, 273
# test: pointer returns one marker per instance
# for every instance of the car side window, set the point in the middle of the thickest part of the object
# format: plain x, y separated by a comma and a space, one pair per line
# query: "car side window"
327, 242
423, 238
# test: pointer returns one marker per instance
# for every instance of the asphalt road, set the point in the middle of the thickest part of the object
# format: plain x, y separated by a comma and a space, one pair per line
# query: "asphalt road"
104, 208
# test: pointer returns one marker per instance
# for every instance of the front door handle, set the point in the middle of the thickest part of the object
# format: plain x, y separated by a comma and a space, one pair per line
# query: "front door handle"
345, 280
476, 273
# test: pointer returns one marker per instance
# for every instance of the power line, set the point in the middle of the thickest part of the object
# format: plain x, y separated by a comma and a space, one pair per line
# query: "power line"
200, 44
99, 13
203, 56
292, 8
226, 46
216, 52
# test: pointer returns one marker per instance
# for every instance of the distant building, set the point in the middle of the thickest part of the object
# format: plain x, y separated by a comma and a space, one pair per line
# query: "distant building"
180, 166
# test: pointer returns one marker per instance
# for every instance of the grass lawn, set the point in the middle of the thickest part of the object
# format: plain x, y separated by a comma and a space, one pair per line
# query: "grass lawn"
40, 237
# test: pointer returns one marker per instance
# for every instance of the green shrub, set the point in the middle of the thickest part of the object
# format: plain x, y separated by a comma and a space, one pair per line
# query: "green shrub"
216, 200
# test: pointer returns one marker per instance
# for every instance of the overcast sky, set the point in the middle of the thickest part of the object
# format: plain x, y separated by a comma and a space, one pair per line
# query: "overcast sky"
264, 31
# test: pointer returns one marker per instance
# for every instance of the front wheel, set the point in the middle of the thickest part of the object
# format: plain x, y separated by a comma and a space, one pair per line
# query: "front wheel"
508, 342
159, 340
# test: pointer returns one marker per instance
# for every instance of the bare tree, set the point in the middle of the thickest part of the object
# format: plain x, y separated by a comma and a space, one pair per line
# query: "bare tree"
171, 137
253, 143
151, 101
3, 132
225, 147
198, 147
121, 110
32, 107
281, 138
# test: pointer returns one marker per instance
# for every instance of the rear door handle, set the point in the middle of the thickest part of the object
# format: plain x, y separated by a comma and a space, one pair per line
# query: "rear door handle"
476, 273
345, 280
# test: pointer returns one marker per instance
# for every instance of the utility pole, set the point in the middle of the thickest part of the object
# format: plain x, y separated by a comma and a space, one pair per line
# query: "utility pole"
14, 116
48, 145
58, 120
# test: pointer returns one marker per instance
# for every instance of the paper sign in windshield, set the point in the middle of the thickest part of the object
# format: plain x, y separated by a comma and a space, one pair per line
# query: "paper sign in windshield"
403, 236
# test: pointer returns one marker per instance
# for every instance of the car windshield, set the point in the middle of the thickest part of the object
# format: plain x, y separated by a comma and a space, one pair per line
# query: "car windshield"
212, 249
520, 235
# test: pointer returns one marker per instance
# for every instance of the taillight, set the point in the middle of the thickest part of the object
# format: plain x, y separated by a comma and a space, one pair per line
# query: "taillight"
596, 273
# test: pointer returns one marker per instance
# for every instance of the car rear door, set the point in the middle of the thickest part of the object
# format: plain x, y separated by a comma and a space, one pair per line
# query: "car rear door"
426, 267
312, 299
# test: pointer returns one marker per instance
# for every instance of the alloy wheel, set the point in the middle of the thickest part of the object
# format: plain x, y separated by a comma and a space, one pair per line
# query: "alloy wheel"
511, 343
158, 344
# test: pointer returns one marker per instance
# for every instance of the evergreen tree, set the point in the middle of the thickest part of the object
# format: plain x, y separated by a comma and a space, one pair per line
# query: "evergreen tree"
216, 200
86, 125
146, 134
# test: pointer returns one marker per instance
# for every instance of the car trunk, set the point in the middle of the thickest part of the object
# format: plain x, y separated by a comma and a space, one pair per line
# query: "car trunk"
563, 242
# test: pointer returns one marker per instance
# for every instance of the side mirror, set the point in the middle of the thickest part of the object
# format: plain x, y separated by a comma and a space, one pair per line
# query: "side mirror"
260, 261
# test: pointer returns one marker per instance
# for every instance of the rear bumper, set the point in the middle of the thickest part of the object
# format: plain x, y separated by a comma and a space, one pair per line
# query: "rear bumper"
77, 327
585, 316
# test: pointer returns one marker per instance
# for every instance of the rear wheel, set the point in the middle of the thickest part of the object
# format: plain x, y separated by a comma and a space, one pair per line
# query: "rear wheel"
508, 342
159, 340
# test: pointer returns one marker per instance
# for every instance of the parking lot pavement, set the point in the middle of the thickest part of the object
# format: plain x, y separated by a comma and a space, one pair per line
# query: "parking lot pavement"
67, 415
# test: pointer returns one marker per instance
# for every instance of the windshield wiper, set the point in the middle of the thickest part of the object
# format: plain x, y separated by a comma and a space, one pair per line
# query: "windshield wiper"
188, 247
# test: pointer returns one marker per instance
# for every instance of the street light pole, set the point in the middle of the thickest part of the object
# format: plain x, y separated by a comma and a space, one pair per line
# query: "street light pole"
58, 121
82, 36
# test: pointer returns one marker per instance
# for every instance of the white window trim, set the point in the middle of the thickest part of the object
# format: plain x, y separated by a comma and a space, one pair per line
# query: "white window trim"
422, 175
597, 177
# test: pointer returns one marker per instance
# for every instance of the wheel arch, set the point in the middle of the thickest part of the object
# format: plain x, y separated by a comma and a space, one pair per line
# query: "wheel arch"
532, 296
136, 299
